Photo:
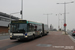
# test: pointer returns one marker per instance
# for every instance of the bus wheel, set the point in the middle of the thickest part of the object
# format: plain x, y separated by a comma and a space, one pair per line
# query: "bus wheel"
46, 33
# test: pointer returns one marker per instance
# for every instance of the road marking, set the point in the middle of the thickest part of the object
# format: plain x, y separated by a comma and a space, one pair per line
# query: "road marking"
44, 45
72, 38
4, 39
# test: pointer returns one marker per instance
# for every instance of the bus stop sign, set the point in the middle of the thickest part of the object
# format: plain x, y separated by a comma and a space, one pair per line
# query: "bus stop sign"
65, 24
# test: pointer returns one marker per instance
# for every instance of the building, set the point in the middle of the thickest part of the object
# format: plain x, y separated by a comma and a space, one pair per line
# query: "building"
4, 21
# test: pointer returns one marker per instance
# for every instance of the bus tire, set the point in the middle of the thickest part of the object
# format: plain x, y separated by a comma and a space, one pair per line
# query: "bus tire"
47, 33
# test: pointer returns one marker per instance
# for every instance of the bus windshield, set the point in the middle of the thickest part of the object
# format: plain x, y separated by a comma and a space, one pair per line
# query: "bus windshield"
20, 28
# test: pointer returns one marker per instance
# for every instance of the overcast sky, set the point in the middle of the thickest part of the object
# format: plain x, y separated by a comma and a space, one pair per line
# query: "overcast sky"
34, 10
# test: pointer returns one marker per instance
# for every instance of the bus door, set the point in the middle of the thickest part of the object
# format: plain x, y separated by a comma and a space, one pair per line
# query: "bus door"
43, 28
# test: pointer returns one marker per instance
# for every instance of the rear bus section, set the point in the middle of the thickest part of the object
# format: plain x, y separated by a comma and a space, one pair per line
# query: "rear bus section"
45, 29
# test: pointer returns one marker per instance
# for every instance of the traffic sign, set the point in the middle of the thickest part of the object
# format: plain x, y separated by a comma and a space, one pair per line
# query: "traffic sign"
65, 24
21, 12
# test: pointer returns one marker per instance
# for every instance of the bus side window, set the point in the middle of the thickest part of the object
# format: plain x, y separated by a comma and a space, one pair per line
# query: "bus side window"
35, 29
39, 29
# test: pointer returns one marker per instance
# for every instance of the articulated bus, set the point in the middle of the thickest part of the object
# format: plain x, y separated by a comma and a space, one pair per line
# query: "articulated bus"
24, 29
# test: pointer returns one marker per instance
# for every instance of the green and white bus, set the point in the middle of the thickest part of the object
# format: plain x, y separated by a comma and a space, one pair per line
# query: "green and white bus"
24, 29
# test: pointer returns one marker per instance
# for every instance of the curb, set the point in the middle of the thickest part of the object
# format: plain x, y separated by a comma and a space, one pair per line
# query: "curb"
69, 36
72, 38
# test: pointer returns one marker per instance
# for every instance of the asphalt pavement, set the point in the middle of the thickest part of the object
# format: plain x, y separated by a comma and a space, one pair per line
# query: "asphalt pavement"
70, 33
55, 40
4, 37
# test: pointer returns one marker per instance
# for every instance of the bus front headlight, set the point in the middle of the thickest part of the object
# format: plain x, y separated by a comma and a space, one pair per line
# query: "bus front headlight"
26, 36
10, 36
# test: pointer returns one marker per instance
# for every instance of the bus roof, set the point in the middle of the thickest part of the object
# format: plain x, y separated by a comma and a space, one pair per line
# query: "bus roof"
33, 22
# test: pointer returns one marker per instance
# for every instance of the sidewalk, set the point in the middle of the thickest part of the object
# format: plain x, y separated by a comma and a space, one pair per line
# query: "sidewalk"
55, 40
61, 41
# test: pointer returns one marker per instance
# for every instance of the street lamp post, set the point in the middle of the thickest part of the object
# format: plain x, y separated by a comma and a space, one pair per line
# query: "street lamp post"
21, 9
65, 13
58, 20
63, 19
61, 23
47, 17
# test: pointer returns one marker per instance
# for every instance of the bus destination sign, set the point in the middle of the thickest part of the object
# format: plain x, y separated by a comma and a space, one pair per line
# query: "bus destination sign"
19, 21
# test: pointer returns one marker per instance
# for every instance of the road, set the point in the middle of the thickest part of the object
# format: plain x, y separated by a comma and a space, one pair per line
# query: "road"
4, 37
53, 41
70, 33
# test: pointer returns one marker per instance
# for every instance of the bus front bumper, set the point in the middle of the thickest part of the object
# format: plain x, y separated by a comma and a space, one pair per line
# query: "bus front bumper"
20, 37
